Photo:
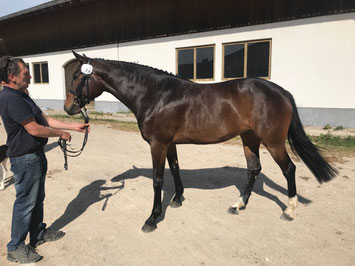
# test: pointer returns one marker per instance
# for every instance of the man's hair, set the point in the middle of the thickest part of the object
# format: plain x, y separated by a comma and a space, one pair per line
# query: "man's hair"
9, 65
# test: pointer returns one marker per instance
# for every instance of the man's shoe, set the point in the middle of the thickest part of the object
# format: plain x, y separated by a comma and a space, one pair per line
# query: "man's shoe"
24, 254
48, 235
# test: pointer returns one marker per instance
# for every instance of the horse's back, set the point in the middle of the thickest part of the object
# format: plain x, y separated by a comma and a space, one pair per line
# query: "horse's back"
266, 105
211, 113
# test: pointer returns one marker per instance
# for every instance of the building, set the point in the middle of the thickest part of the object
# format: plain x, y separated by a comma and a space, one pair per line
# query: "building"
305, 46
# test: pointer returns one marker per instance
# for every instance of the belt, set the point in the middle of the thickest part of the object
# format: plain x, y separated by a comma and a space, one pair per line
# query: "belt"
37, 152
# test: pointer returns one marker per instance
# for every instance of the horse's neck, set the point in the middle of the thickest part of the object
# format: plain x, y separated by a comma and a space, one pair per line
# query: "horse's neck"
129, 85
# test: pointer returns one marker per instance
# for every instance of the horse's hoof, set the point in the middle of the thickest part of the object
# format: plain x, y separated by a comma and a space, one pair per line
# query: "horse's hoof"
286, 217
233, 210
175, 204
148, 228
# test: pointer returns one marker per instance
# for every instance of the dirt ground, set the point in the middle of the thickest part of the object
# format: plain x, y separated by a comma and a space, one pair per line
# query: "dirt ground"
104, 198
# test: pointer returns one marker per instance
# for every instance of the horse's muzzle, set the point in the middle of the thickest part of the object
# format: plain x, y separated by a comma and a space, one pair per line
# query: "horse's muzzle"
73, 110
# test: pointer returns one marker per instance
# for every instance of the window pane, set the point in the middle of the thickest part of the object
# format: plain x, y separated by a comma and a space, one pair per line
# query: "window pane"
45, 78
234, 61
258, 59
204, 63
186, 63
37, 73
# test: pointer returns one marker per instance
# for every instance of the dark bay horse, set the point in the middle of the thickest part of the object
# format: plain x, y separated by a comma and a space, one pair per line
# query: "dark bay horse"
171, 110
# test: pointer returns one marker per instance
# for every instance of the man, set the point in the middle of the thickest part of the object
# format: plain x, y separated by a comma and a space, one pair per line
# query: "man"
27, 130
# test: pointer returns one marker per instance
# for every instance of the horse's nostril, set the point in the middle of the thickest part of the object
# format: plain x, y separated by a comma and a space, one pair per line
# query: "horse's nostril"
69, 111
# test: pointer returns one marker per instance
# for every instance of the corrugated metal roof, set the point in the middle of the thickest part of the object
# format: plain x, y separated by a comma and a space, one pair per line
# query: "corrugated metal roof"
66, 24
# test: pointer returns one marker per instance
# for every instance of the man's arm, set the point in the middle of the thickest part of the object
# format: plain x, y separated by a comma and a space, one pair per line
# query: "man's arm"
56, 124
37, 130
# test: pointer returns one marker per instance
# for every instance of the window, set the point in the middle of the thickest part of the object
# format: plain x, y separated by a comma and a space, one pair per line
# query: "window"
246, 59
195, 63
40, 72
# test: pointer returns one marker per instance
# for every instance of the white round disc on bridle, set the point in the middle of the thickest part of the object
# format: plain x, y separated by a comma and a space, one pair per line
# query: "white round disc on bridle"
86, 69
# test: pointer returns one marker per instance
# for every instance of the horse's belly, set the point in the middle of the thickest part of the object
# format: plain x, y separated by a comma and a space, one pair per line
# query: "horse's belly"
205, 137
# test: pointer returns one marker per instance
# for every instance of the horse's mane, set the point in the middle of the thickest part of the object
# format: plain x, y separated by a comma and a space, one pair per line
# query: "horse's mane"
143, 68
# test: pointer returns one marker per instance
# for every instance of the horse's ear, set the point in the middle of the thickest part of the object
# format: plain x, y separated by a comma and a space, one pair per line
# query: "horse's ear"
80, 58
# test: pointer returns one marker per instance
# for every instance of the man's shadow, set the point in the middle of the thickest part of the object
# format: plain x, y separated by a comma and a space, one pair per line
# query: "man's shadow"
50, 146
87, 196
211, 178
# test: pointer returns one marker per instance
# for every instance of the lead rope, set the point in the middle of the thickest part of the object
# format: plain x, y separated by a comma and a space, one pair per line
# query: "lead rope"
63, 143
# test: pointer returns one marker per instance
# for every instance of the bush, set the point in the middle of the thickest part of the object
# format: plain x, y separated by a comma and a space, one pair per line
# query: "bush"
327, 127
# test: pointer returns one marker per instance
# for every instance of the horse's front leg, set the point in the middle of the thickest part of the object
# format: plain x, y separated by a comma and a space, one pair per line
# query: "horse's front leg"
175, 171
158, 152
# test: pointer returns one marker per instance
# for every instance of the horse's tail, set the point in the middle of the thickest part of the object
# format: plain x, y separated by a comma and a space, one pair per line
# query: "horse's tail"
302, 146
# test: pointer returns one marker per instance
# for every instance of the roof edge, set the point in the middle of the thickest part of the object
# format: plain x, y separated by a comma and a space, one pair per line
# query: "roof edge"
35, 8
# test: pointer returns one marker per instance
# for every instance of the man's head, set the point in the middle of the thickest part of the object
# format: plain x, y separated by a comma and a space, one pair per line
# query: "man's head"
14, 73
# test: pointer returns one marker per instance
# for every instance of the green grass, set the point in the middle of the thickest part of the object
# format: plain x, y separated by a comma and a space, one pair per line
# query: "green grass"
99, 113
329, 141
339, 128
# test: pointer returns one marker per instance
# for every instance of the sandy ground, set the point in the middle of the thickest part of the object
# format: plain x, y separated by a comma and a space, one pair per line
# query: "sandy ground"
102, 201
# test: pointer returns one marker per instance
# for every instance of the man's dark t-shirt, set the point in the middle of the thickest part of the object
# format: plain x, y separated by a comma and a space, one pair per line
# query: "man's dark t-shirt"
16, 107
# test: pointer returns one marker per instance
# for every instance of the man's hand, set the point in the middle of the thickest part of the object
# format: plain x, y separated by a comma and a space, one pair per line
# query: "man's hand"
66, 136
54, 123
80, 127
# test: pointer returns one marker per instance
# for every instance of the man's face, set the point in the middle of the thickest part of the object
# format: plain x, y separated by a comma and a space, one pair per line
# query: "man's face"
23, 78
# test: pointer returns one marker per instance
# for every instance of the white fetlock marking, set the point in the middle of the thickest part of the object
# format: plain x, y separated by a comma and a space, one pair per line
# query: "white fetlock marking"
239, 204
292, 205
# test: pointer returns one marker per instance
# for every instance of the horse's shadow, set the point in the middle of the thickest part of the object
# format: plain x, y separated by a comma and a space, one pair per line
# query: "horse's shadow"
86, 197
211, 178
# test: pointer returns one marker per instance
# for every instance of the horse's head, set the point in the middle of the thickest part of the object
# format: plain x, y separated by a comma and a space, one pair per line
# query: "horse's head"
85, 85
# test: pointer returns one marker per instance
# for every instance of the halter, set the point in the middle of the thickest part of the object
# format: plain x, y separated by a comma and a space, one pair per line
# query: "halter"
87, 70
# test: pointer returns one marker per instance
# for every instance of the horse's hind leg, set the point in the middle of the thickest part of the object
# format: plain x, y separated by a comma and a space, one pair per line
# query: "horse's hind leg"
282, 158
251, 144
175, 171
159, 152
